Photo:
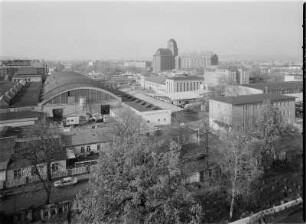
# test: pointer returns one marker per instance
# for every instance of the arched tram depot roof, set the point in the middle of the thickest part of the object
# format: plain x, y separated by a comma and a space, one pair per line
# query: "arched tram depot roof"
61, 82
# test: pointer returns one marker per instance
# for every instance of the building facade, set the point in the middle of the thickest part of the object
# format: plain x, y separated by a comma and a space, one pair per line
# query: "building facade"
222, 76
137, 64
196, 60
242, 111
183, 84
164, 58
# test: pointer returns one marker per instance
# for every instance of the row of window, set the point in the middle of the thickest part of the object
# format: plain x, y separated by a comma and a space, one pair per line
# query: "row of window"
158, 120
18, 172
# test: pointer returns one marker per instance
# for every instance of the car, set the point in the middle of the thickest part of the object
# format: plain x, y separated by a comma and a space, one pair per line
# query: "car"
66, 181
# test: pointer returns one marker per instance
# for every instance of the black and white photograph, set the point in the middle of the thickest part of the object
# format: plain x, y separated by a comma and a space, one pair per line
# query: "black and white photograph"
152, 112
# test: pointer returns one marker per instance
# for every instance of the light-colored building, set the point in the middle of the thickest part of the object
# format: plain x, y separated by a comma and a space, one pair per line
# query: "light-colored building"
290, 88
155, 83
196, 60
241, 111
293, 77
224, 76
137, 64
183, 84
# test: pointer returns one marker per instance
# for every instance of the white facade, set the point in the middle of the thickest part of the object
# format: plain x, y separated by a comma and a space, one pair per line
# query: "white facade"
87, 149
27, 78
137, 64
289, 78
155, 86
185, 85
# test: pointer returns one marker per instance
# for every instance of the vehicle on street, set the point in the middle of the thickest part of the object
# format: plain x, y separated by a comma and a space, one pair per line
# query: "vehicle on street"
98, 117
66, 181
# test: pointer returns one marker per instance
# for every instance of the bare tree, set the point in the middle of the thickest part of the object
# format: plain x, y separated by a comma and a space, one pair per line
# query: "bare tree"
41, 148
238, 165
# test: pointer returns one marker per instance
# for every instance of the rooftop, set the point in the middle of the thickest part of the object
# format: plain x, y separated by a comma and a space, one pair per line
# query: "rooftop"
16, 162
178, 78
5, 86
29, 95
253, 99
163, 52
273, 86
93, 136
156, 79
26, 71
20, 115
6, 150
62, 81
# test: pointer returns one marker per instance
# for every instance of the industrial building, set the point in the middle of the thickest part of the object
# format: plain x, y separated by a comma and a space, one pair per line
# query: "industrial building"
241, 111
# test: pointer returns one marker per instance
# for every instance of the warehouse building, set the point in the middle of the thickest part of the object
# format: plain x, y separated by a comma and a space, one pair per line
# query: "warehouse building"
242, 111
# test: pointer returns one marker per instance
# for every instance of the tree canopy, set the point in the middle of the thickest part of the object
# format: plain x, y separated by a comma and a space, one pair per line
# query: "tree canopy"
135, 184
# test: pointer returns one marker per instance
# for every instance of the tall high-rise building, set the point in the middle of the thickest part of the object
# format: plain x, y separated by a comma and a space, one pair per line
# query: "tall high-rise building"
164, 58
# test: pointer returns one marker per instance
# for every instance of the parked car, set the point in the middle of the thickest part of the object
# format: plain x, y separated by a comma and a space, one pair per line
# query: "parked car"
66, 181
98, 117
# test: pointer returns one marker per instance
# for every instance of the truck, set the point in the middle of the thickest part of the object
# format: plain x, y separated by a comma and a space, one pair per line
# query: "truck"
72, 121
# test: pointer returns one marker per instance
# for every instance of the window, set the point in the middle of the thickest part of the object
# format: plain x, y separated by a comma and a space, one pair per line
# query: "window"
210, 173
98, 146
68, 93
54, 167
88, 148
17, 174
82, 149
33, 171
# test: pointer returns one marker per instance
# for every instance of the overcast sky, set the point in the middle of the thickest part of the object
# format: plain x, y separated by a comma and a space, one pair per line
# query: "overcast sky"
123, 30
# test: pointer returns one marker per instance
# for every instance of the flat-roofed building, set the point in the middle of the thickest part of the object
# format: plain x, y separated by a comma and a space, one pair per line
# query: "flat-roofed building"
290, 88
241, 111
183, 84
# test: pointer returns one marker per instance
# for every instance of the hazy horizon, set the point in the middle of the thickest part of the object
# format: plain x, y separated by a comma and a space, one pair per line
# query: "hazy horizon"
135, 30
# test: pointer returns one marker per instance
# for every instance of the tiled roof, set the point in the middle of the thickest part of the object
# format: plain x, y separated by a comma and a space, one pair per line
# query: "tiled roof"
273, 86
17, 162
252, 99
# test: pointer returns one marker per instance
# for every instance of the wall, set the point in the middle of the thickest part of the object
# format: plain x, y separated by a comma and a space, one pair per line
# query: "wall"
93, 148
289, 78
74, 110
220, 111
157, 117
157, 87
26, 171
18, 122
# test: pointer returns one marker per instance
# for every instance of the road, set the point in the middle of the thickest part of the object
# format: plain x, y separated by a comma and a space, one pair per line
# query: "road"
38, 197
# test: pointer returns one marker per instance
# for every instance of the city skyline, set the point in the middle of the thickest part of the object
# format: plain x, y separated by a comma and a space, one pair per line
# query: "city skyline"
134, 30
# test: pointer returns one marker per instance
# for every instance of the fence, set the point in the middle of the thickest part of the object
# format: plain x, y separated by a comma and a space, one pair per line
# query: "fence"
271, 214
